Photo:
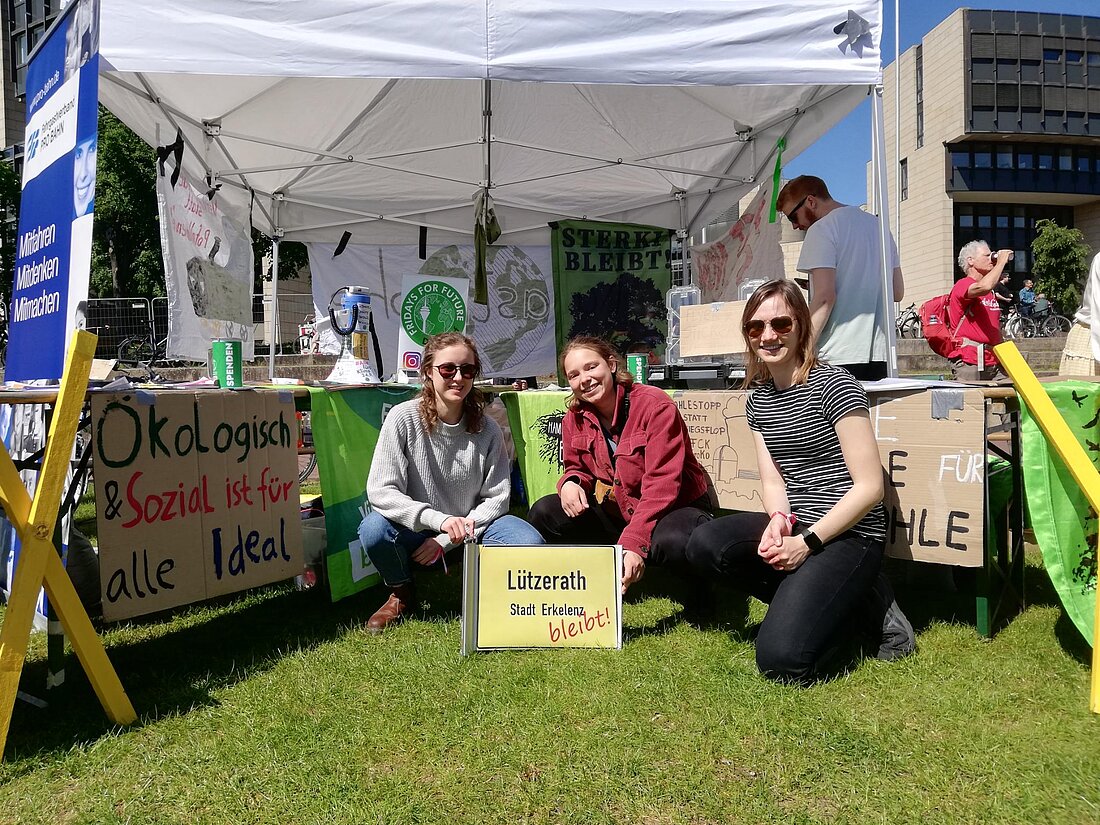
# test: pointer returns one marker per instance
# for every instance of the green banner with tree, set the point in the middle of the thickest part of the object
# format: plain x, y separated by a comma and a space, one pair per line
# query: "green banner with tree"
1065, 526
346, 424
610, 280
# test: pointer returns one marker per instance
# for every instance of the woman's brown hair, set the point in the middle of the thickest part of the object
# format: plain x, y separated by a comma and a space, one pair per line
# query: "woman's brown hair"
473, 405
787, 291
603, 349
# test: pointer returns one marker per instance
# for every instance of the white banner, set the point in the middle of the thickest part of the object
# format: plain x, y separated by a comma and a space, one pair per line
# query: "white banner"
742, 259
208, 269
514, 333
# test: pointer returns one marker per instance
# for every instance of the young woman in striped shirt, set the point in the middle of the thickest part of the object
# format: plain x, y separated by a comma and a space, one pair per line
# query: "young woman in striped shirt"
814, 555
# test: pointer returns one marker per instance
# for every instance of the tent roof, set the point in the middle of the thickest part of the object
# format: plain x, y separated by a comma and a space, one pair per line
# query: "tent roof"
382, 117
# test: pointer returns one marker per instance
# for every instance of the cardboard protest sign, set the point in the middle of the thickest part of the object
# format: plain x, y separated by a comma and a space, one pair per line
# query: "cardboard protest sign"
196, 495
541, 596
932, 445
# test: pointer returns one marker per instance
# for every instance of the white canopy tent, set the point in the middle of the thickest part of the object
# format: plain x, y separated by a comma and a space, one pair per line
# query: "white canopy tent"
380, 118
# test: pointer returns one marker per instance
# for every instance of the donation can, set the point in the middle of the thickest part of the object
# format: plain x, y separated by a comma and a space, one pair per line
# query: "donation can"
637, 363
226, 362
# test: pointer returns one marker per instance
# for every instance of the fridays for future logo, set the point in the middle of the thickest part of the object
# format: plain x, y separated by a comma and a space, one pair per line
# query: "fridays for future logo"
432, 307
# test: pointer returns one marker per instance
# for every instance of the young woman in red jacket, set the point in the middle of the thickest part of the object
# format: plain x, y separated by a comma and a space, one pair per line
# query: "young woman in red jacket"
630, 476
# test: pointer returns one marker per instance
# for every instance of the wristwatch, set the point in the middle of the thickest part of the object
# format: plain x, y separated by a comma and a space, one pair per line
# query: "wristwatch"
812, 541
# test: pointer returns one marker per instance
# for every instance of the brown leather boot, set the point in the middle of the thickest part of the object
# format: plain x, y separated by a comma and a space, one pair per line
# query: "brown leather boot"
401, 602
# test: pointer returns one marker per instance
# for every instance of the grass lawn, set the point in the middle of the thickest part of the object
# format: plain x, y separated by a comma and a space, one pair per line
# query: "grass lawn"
275, 707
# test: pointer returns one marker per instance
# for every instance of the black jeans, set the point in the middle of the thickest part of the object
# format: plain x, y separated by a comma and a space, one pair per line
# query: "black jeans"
809, 609
667, 548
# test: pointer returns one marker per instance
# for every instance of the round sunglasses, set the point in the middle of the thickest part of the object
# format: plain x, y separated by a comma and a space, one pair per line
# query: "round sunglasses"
780, 324
448, 370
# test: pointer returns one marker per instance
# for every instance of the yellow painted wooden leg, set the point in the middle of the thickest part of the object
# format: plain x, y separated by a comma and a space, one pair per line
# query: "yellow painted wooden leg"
1094, 692
86, 643
1067, 446
18, 619
34, 521
62, 436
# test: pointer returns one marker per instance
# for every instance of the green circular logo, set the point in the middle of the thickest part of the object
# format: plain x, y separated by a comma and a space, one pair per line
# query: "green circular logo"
432, 307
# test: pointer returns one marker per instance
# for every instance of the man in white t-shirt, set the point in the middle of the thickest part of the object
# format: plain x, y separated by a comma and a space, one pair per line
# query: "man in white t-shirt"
840, 253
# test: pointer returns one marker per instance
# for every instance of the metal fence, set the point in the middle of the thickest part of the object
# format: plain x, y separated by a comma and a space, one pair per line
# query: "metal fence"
116, 319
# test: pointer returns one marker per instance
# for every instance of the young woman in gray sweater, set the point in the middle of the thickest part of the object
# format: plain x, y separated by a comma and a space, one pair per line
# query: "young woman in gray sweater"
439, 474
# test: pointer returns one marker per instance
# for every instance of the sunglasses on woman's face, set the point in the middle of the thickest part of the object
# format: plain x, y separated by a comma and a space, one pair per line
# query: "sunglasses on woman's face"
448, 371
780, 324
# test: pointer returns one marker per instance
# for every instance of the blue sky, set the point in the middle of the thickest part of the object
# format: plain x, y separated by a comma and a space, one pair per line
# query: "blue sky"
840, 156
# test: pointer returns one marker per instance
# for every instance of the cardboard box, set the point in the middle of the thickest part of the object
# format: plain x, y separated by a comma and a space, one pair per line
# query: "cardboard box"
932, 446
196, 495
711, 329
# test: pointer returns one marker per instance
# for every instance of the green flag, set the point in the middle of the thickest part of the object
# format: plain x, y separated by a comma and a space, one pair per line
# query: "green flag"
346, 424
1065, 525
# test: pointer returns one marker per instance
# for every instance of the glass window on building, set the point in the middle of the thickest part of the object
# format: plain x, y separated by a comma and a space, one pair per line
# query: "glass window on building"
1046, 159
1005, 157
1065, 159
983, 158
903, 174
1052, 55
981, 68
1025, 158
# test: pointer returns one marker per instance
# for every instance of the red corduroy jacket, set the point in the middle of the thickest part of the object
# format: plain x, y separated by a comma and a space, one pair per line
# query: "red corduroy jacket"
655, 470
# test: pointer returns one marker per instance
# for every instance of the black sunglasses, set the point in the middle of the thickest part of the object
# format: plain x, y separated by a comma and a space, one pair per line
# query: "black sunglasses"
793, 212
781, 324
449, 370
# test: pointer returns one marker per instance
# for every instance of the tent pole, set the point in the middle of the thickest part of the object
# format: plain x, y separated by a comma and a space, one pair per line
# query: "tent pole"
274, 309
486, 133
878, 176
277, 199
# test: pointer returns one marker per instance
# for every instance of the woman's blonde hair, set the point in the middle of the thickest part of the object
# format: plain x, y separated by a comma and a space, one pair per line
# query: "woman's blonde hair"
603, 349
473, 405
788, 291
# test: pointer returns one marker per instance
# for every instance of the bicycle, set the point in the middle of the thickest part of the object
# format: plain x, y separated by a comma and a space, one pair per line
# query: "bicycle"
908, 323
1014, 325
144, 351
307, 335
1050, 323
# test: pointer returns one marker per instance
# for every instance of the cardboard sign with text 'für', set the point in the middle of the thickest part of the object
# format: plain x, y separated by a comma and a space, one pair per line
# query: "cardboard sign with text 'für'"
196, 495
541, 596
932, 447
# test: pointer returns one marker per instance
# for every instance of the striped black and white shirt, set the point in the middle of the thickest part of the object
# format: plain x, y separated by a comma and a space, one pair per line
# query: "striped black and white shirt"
799, 428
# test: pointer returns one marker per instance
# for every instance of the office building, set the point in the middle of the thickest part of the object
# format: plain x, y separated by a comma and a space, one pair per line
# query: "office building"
999, 127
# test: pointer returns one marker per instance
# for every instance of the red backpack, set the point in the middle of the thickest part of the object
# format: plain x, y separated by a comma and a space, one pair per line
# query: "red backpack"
935, 326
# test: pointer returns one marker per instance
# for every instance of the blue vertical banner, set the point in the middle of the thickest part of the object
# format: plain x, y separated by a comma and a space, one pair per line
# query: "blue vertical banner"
53, 259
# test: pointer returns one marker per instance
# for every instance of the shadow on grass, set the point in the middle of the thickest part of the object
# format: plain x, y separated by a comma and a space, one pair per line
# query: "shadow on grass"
179, 665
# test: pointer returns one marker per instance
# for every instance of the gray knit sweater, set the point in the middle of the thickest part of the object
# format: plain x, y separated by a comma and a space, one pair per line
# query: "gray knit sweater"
419, 480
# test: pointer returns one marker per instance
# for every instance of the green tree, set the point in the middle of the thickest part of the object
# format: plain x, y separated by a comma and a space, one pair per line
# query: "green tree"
9, 225
126, 261
1060, 260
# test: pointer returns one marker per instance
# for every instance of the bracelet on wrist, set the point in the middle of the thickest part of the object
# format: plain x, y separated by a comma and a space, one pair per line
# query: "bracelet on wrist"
789, 517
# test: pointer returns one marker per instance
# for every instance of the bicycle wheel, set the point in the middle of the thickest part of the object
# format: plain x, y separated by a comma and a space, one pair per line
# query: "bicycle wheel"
307, 463
911, 328
1028, 328
135, 350
1056, 325
1011, 329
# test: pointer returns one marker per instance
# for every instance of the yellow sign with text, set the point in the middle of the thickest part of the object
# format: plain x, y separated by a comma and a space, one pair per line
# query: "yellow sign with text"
544, 596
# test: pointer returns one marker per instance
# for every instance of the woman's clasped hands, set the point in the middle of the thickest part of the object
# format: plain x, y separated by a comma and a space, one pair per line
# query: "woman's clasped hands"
779, 548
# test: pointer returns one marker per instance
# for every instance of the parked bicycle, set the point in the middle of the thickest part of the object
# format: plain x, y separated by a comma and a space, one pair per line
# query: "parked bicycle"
307, 335
143, 351
1049, 323
1014, 325
908, 322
